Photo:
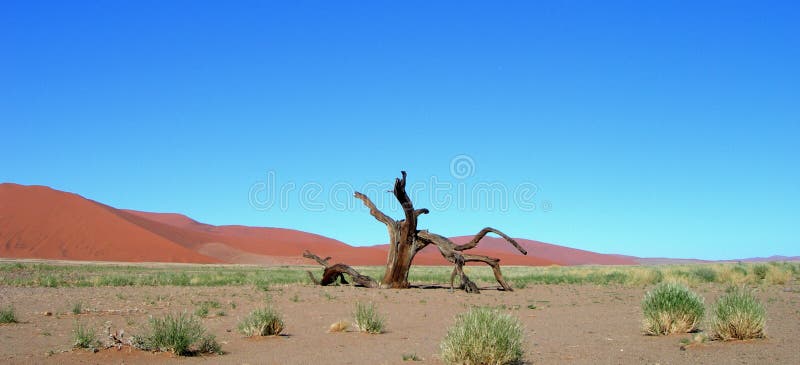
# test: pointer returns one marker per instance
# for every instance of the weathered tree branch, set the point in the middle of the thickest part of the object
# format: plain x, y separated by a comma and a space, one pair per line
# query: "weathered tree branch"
374, 211
331, 273
418, 212
402, 197
337, 271
494, 263
313, 278
474, 242
324, 262
466, 283
450, 251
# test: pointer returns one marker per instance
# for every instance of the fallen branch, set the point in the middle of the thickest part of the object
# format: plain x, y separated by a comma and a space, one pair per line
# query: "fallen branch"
337, 271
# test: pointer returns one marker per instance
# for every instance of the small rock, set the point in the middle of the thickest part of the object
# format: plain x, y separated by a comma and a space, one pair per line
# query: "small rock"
47, 314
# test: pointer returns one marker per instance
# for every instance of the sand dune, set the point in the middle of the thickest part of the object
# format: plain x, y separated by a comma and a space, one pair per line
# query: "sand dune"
40, 222
281, 244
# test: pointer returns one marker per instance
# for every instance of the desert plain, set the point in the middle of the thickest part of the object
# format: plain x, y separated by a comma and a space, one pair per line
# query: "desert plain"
580, 315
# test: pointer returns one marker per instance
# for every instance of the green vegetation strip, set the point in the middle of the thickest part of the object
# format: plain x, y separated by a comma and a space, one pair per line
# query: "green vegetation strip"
94, 275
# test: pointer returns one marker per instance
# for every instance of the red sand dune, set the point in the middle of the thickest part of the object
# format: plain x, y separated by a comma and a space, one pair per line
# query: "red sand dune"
275, 244
40, 222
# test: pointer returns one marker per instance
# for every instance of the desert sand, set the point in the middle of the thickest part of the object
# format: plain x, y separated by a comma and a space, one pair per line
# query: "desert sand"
577, 324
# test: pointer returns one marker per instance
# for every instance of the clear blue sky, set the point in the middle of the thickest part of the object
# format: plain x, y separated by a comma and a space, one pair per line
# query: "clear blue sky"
666, 129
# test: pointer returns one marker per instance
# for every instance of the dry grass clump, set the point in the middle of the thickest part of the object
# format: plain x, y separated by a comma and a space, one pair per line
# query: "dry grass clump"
646, 276
738, 315
367, 318
483, 336
679, 278
671, 308
778, 275
339, 326
734, 275
262, 322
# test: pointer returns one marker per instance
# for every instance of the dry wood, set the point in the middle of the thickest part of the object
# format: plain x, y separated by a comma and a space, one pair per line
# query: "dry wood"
337, 271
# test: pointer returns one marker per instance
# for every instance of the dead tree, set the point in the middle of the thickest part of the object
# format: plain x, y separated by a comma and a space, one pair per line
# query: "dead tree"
405, 241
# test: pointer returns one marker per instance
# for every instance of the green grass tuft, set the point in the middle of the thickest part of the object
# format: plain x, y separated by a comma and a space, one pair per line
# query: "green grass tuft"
705, 274
367, 318
84, 337
738, 315
671, 308
741, 269
760, 271
204, 308
262, 322
201, 312
180, 334
77, 308
7, 315
483, 336
48, 281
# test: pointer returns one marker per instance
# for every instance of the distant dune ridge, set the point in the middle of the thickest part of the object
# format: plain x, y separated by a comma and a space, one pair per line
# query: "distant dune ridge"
40, 222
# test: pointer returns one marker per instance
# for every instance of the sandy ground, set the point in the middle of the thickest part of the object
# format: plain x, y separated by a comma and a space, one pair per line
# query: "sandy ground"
580, 324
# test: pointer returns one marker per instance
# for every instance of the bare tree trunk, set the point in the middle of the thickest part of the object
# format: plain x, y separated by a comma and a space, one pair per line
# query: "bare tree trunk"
402, 235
